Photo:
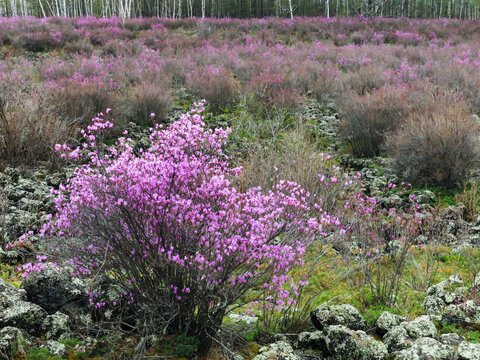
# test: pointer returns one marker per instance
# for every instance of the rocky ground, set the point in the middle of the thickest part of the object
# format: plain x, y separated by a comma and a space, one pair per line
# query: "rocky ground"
49, 306
341, 333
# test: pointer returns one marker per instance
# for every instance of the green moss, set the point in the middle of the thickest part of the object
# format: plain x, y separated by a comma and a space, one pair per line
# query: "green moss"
70, 343
473, 337
181, 346
373, 313
41, 354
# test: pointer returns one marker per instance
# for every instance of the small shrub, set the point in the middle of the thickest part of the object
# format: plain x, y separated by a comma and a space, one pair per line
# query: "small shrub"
294, 158
39, 41
144, 100
76, 99
439, 147
28, 132
367, 119
382, 240
214, 84
271, 92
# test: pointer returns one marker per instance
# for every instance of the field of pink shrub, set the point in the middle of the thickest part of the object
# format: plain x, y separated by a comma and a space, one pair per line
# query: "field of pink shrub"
377, 71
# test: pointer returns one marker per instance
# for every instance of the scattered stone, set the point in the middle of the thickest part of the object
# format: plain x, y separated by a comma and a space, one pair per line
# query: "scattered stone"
346, 344
345, 314
403, 336
56, 326
11, 342
397, 339
10, 257
280, 337
468, 351
442, 302
426, 349
24, 315
311, 340
452, 339
422, 326
280, 350
56, 348
53, 289
246, 319
424, 197
9, 294
387, 321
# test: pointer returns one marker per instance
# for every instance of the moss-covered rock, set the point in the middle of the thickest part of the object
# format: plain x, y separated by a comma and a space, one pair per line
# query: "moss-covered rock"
425, 349
280, 350
345, 314
468, 351
387, 321
346, 344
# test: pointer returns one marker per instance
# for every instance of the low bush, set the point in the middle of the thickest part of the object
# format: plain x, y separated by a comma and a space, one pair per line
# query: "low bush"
214, 84
366, 119
438, 147
143, 100
76, 99
28, 132
272, 93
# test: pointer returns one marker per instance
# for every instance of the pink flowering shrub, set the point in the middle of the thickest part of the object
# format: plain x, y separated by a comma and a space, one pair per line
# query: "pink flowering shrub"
172, 234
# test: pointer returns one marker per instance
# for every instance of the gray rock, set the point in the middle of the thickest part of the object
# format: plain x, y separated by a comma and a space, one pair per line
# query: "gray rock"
445, 287
280, 350
311, 340
24, 315
403, 336
386, 321
346, 344
468, 351
280, 337
392, 201
56, 348
13, 174
11, 342
53, 289
440, 302
56, 326
422, 326
10, 257
9, 294
424, 197
434, 306
397, 339
345, 314
426, 349
452, 339
239, 318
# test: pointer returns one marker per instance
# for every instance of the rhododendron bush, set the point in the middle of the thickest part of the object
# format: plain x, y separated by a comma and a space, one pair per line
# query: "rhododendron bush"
166, 228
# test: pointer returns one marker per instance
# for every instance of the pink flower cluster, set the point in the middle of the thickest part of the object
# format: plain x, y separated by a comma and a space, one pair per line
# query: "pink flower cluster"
172, 209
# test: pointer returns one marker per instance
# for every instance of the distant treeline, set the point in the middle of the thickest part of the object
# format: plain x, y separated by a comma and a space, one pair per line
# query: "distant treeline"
465, 9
